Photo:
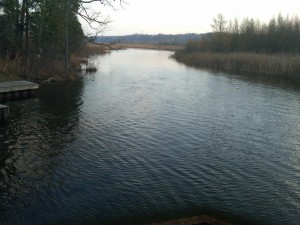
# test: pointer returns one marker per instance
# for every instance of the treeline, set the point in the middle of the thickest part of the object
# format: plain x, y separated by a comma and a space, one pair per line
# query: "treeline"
37, 26
33, 35
248, 47
160, 39
279, 35
39, 37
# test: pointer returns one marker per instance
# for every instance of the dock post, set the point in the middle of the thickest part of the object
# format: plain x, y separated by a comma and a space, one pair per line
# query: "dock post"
4, 111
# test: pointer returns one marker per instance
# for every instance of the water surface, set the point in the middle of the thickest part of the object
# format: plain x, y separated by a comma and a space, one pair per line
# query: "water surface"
147, 139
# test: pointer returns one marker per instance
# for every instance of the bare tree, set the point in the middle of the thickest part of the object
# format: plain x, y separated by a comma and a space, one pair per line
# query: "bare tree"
93, 17
36, 30
219, 23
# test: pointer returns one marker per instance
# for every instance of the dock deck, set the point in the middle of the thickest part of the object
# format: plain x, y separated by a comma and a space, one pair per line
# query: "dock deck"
17, 89
197, 220
17, 86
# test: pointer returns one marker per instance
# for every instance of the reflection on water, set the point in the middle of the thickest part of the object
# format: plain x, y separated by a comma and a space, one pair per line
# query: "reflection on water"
33, 142
147, 139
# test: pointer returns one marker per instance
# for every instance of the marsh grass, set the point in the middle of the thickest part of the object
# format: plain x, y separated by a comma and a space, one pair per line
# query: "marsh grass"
10, 69
279, 65
91, 49
91, 69
40, 68
36, 69
84, 56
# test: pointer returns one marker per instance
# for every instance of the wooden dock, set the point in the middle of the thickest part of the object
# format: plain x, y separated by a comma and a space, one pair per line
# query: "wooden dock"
17, 89
197, 220
4, 111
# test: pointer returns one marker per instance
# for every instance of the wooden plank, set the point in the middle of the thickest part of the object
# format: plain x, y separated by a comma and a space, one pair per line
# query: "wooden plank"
17, 86
197, 220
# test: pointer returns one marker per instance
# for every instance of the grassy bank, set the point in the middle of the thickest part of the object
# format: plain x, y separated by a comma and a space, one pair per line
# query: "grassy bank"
279, 65
38, 69
148, 46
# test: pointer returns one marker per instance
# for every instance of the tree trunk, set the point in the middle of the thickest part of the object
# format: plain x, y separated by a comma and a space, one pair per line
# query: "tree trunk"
27, 29
67, 40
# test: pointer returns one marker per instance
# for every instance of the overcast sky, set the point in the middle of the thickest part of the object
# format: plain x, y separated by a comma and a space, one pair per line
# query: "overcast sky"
189, 16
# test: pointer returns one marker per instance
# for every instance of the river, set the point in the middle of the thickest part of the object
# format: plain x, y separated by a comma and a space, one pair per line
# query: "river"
146, 139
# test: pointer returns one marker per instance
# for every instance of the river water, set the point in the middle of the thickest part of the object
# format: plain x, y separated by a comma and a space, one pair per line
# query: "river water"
147, 139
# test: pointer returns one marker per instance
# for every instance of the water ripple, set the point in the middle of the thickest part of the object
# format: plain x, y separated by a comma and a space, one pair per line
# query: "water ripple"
152, 140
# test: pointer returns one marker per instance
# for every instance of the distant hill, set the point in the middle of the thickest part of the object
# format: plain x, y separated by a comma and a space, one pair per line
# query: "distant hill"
163, 39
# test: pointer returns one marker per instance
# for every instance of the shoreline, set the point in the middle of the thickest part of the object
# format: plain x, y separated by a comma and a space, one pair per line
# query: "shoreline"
122, 46
244, 63
51, 70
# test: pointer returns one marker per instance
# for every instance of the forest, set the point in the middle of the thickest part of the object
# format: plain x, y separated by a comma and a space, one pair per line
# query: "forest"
279, 35
248, 47
158, 39
40, 37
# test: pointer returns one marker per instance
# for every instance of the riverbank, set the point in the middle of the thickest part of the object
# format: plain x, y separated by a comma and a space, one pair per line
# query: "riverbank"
43, 69
40, 69
120, 46
256, 64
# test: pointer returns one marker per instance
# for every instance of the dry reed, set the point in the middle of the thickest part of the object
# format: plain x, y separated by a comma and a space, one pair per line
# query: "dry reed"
280, 65
41, 68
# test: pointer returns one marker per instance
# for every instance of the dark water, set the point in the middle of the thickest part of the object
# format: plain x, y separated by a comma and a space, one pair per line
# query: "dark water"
147, 139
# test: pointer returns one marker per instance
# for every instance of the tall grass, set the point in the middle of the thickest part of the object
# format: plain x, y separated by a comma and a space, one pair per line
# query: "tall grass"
85, 56
280, 65
40, 68
36, 68
91, 49
10, 69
